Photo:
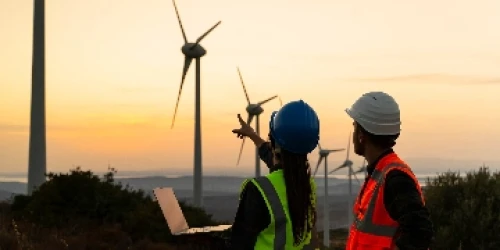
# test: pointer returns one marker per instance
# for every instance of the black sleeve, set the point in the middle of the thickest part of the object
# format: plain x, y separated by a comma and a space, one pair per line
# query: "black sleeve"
266, 155
252, 217
404, 204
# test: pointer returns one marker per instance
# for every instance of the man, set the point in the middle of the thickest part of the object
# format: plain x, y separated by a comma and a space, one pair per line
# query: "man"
390, 210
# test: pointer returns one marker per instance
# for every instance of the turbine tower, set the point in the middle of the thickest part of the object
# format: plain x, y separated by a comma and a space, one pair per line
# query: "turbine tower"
193, 51
348, 164
37, 161
323, 154
253, 110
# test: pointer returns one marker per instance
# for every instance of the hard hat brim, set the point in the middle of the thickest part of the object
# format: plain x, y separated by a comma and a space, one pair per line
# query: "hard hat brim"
348, 111
366, 126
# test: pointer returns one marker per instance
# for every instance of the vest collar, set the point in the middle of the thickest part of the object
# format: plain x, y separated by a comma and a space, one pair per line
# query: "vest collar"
372, 166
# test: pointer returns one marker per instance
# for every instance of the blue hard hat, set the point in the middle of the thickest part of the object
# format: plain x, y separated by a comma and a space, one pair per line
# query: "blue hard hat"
295, 127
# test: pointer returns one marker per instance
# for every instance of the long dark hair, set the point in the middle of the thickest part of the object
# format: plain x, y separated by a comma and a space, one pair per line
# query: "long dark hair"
297, 175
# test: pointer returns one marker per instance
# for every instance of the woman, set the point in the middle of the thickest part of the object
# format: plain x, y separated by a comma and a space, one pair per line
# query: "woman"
277, 211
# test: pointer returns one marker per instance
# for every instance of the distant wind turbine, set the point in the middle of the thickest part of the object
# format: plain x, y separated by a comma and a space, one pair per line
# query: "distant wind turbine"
253, 110
194, 51
348, 164
362, 169
37, 161
323, 155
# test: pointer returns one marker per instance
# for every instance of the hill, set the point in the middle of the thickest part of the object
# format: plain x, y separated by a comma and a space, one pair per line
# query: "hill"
183, 185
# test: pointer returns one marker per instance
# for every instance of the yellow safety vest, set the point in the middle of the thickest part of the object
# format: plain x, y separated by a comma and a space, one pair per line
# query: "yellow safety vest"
279, 234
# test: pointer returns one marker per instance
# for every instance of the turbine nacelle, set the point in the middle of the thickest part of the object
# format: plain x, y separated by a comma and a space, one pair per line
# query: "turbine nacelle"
361, 170
193, 50
254, 109
323, 153
326, 152
347, 163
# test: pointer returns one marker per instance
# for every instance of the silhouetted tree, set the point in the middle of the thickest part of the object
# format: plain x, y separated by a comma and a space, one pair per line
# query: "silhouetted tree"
465, 210
80, 200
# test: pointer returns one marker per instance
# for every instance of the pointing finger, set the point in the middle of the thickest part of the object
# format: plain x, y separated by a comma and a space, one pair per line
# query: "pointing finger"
242, 123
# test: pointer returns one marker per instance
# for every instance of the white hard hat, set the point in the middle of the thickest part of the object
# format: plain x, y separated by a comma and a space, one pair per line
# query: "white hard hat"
377, 112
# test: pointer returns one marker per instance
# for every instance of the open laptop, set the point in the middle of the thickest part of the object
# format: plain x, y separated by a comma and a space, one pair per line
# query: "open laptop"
174, 216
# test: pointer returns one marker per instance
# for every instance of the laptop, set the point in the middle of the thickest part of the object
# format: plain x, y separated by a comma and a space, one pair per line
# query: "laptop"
175, 218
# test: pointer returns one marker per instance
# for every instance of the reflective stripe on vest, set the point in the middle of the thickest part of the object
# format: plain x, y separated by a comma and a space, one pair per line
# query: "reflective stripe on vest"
366, 224
277, 211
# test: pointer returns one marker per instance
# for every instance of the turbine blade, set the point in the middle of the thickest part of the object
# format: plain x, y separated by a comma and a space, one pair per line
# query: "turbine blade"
317, 166
187, 62
180, 23
360, 170
355, 177
319, 146
337, 168
268, 99
336, 150
241, 150
281, 102
244, 88
204, 35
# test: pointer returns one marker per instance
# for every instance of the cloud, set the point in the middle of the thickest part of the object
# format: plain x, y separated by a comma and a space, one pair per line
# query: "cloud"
433, 79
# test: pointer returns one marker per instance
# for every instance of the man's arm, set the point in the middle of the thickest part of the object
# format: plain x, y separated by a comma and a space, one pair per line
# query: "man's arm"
404, 204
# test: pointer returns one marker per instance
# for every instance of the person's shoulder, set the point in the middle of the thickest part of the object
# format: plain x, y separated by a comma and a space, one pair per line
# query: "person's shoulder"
250, 186
396, 172
398, 178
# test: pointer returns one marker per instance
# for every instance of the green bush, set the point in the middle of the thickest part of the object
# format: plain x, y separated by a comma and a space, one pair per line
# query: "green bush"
79, 201
465, 210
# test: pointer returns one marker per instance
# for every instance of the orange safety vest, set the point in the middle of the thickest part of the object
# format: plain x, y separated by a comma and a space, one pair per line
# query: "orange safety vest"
373, 228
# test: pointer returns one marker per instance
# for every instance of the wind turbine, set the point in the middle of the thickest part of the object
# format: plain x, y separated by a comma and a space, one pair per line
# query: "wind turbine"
37, 161
348, 164
362, 169
253, 110
323, 155
193, 51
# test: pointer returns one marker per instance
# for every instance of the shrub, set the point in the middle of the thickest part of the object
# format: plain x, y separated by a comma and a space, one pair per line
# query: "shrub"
87, 212
465, 210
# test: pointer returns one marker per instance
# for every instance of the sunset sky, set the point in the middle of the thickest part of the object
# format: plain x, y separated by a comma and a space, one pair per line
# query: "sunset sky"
114, 68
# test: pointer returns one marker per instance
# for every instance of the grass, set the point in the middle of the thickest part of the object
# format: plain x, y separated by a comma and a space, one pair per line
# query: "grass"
338, 238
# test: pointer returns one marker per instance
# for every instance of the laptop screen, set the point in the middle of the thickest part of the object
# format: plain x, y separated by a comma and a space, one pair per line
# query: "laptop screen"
171, 210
